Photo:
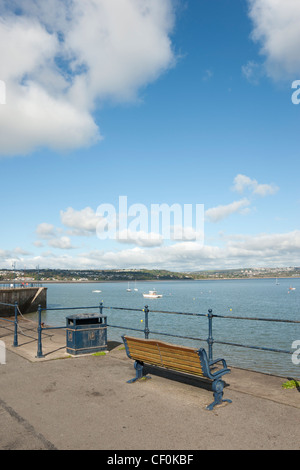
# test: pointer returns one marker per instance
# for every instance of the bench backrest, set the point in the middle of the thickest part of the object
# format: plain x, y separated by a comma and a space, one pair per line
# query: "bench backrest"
159, 353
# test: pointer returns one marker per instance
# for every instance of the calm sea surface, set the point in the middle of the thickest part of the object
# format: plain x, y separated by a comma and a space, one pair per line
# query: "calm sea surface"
259, 298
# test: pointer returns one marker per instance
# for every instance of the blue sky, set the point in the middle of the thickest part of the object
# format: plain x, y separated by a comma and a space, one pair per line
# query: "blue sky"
175, 102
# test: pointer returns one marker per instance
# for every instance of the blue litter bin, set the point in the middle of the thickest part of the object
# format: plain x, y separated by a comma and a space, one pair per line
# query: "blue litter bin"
86, 333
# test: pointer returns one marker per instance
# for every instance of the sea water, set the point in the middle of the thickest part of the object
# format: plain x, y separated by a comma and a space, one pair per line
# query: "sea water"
251, 298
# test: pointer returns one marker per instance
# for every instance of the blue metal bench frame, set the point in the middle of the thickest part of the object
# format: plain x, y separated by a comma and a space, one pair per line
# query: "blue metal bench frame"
207, 370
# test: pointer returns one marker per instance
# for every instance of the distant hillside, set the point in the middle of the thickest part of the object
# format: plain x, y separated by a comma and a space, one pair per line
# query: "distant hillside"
44, 275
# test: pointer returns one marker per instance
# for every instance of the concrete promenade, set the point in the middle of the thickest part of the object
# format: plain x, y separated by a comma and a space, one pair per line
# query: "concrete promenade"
84, 403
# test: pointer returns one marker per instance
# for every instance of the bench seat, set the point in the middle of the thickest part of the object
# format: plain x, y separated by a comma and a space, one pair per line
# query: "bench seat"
182, 359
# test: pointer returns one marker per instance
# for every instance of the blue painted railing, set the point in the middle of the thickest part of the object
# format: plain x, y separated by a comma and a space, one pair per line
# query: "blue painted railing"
15, 321
146, 331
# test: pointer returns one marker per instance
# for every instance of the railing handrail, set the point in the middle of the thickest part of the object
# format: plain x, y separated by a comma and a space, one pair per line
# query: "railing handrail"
282, 320
15, 321
10, 305
210, 340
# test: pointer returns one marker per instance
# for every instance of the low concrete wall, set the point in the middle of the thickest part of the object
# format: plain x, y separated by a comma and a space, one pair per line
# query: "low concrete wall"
28, 299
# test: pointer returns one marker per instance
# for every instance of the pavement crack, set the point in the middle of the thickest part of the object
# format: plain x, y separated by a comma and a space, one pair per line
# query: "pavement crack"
29, 428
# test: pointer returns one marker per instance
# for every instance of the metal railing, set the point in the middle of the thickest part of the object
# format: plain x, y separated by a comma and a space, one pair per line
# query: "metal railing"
19, 284
146, 331
15, 321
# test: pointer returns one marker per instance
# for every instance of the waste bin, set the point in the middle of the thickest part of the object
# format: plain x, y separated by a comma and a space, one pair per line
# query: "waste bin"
86, 333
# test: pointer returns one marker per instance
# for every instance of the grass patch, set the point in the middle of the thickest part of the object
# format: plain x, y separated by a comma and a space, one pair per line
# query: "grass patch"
99, 353
291, 384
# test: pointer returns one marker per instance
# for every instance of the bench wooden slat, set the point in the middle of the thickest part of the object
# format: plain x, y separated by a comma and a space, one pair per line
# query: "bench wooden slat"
180, 355
163, 347
183, 368
146, 358
191, 354
165, 355
157, 350
175, 357
152, 342
169, 362
144, 352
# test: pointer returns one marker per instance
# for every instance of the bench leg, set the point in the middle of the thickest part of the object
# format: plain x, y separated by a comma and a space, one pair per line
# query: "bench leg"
139, 367
217, 387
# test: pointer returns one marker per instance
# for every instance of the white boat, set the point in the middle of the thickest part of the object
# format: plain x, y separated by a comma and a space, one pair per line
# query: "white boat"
128, 289
152, 295
97, 290
292, 288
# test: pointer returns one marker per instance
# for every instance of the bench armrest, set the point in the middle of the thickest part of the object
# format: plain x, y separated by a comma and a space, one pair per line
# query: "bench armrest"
211, 363
219, 372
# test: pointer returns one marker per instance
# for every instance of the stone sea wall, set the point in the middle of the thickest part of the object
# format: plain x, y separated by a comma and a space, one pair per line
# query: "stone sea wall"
28, 299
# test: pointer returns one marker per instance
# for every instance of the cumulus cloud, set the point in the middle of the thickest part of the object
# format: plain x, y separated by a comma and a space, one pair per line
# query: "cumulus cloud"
276, 29
236, 250
139, 238
107, 223
215, 214
61, 58
180, 232
63, 243
82, 222
52, 235
270, 247
243, 182
45, 230
273, 249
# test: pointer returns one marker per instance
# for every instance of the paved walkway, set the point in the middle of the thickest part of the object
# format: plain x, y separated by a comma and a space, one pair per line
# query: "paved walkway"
84, 402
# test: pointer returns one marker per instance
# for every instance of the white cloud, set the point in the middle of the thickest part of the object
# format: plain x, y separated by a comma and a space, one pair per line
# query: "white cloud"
242, 182
271, 248
252, 71
179, 232
276, 27
83, 222
60, 58
4, 254
20, 251
215, 214
45, 230
63, 243
237, 250
139, 238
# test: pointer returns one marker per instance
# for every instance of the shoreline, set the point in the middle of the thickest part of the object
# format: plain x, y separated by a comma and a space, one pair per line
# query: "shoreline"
149, 280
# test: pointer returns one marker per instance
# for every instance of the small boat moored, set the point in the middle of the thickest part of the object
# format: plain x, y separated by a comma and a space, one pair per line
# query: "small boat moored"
152, 295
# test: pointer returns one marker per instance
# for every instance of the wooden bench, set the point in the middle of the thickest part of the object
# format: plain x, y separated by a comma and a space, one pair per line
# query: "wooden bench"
178, 358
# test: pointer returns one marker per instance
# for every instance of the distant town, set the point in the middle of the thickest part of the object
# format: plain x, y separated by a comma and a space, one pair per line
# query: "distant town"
70, 275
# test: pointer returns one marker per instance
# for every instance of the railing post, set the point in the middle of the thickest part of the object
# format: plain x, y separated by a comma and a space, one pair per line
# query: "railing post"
210, 340
101, 307
146, 330
39, 348
16, 326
